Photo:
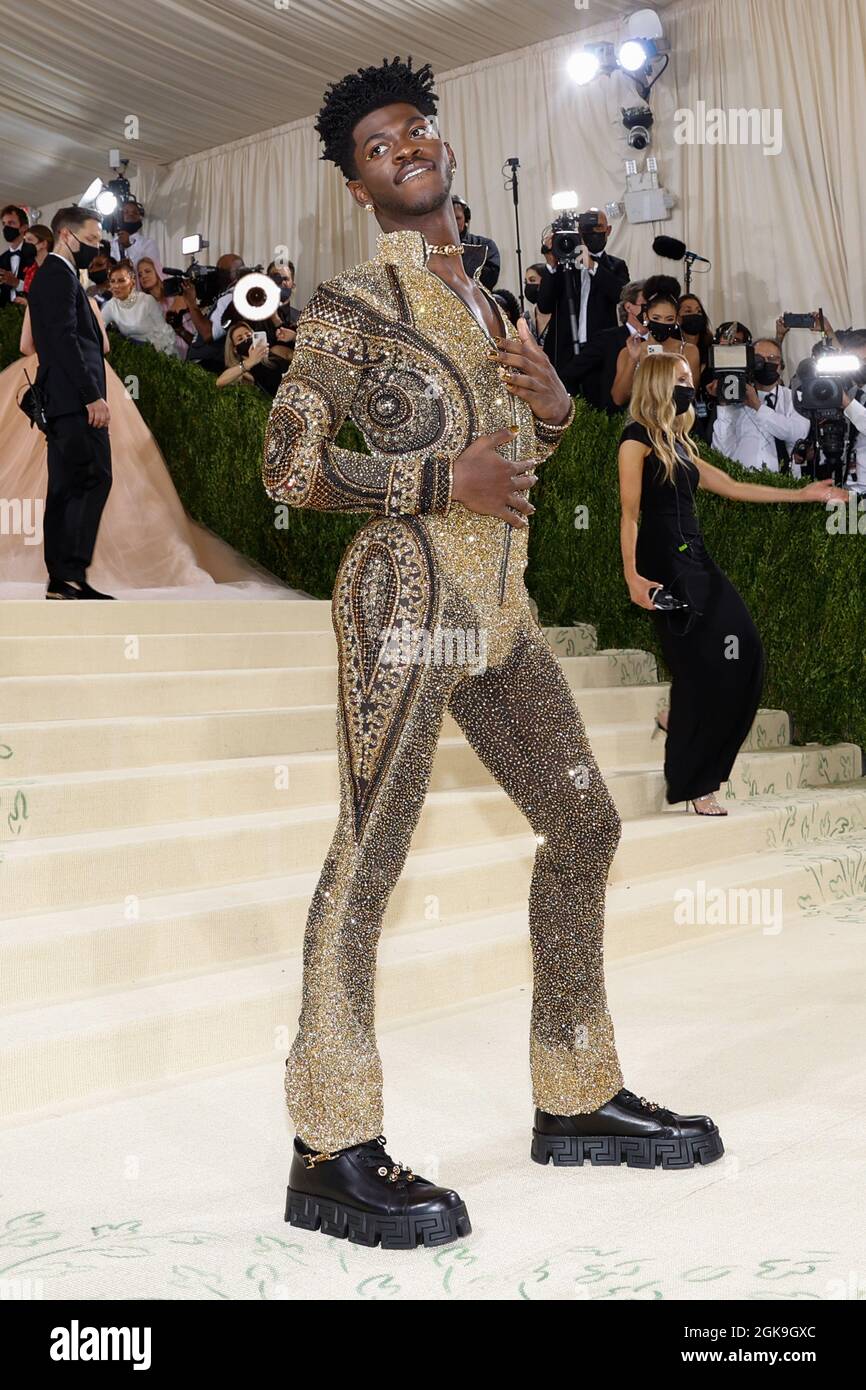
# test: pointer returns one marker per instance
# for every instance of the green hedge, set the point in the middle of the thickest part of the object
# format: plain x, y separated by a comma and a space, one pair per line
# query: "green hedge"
806, 589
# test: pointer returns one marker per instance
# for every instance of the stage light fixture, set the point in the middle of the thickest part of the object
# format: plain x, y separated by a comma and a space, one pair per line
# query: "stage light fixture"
632, 55
583, 66
91, 193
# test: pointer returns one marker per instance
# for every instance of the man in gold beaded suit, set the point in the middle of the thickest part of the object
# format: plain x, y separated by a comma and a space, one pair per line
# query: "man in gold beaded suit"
456, 408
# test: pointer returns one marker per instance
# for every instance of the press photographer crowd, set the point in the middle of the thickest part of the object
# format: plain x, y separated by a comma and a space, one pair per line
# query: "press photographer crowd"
594, 321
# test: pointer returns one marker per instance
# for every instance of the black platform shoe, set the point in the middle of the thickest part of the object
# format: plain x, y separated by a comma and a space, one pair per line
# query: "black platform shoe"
626, 1129
362, 1194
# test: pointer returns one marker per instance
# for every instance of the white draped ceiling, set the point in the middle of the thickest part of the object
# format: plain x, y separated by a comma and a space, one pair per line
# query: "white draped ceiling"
783, 231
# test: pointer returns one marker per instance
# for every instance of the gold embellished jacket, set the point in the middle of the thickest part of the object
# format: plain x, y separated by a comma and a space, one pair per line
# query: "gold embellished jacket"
389, 345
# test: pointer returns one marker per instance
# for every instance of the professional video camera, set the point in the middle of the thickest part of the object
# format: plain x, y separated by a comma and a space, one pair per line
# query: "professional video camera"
570, 231
818, 387
204, 277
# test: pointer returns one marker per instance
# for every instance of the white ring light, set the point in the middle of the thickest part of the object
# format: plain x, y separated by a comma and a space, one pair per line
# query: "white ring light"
266, 293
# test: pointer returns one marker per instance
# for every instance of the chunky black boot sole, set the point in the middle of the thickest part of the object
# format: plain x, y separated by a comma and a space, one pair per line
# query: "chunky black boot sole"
609, 1150
364, 1228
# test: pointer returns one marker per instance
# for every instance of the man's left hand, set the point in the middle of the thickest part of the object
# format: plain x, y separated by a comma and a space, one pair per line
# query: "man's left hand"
532, 376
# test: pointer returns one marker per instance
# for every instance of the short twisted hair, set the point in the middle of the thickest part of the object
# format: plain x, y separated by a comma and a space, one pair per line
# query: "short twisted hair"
352, 98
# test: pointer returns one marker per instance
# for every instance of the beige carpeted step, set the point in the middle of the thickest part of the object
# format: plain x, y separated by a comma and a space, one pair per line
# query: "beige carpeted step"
99, 865
49, 805
128, 651
19, 617
184, 692
168, 792
30, 747
68, 952
123, 1037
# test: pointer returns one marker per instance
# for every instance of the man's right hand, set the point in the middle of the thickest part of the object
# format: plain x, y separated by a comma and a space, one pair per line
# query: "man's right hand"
98, 414
486, 482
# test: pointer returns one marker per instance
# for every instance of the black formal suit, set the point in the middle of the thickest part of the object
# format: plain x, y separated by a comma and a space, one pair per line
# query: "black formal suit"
605, 287
71, 376
592, 373
481, 251
6, 264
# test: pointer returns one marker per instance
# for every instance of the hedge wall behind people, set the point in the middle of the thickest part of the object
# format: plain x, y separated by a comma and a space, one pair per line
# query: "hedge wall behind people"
805, 587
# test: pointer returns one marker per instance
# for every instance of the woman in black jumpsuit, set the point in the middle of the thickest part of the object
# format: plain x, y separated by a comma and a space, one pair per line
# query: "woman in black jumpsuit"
712, 648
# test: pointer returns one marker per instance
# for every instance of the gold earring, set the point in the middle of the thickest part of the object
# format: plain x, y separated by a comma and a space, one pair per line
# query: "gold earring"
368, 207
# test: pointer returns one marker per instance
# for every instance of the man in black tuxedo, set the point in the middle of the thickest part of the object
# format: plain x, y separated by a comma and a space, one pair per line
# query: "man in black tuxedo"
71, 378
598, 283
480, 250
592, 373
16, 254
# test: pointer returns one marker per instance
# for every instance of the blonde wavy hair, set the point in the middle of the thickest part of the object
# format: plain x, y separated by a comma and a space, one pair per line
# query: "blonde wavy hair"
652, 405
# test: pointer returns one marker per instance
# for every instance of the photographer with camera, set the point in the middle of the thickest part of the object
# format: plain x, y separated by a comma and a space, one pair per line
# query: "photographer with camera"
662, 334
827, 392
582, 286
760, 432
168, 291
130, 243
207, 348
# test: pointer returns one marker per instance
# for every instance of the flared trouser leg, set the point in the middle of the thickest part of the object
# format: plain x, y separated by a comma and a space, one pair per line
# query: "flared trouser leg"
522, 720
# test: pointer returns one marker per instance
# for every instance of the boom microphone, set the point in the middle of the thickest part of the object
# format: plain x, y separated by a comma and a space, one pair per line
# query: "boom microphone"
674, 250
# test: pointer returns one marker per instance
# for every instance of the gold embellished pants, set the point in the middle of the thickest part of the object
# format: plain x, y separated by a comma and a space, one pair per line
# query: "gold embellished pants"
520, 717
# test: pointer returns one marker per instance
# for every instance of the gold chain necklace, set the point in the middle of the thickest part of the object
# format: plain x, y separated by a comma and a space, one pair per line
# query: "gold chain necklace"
448, 250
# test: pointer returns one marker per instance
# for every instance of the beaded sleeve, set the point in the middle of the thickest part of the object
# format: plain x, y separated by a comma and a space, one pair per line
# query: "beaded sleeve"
302, 465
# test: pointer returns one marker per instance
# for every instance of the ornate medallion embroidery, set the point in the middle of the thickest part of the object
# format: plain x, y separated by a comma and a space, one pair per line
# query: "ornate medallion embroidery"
387, 580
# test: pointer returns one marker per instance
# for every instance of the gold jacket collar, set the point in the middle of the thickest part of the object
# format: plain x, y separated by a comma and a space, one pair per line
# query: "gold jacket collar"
408, 248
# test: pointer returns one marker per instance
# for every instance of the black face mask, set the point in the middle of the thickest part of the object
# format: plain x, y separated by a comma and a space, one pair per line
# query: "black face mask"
693, 323
27, 252
662, 331
285, 290
244, 346
131, 226
530, 292
767, 374
11, 233
683, 397
98, 277
84, 254
595, 242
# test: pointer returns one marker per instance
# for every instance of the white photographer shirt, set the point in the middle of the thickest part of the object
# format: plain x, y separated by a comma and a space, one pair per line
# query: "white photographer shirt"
139, 247
585, 286
748, 436
856, 413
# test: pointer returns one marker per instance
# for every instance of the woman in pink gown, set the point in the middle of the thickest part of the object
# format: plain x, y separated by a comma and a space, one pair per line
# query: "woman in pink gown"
147, 546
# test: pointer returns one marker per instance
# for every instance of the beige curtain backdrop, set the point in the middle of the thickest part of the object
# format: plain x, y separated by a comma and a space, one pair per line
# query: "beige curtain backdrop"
784, 231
